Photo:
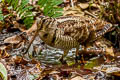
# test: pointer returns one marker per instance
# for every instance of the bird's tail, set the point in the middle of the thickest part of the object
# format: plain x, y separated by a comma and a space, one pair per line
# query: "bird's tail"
107, 28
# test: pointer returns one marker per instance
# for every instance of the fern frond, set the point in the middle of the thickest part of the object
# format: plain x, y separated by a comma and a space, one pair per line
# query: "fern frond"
23, 9
1, 15
50, 7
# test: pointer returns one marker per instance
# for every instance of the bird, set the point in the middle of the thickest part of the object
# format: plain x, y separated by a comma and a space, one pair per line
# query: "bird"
67, 32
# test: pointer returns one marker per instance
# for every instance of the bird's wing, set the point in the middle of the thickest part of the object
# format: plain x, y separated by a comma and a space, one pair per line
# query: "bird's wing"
75, 28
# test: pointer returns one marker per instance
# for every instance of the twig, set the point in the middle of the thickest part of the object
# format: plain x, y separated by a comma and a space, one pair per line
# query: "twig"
86, 12
72, 3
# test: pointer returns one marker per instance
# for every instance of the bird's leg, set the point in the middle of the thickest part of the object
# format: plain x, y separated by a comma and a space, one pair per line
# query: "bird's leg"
79, 55
64, 55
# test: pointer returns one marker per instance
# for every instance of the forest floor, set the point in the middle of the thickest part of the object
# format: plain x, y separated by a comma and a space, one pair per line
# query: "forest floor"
41, 62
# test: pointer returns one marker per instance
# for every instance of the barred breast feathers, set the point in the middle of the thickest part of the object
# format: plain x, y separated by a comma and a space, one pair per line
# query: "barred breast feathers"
65, 42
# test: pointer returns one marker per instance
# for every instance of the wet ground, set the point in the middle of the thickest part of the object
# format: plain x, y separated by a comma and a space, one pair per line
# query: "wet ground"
95, 68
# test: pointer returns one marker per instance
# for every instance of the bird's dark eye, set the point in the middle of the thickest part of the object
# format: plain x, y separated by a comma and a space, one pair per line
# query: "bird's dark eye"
43, 20
45, 35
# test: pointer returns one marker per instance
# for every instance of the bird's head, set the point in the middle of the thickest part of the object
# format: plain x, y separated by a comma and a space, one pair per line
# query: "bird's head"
43, 23
46, 29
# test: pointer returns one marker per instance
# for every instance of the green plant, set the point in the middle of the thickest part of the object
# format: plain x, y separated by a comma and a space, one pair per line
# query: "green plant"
3, 72
23, 10
50, 7
1, 15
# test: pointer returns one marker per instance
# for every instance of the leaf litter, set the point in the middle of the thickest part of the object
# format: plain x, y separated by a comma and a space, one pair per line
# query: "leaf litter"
42, 62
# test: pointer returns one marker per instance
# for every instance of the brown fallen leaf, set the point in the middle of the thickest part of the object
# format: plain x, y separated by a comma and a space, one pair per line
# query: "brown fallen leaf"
13, 40
76, 11
3, 47
3, 54
67, 1
33, 28
83, 5
109, 51
19, 26
1, 25
78, 78
19, 60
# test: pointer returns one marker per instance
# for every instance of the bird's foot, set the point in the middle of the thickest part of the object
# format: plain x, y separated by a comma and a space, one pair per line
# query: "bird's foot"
77, 58
109, 59
82, 61
62, 61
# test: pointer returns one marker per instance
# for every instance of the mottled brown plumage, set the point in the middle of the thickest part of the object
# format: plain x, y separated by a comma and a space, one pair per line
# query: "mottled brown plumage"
71, 31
